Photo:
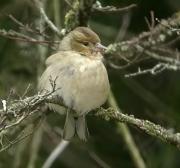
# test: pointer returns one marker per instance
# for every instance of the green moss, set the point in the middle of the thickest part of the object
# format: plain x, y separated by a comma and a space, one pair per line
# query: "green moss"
71, 17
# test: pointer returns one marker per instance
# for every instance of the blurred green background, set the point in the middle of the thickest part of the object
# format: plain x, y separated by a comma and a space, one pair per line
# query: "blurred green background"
156, 98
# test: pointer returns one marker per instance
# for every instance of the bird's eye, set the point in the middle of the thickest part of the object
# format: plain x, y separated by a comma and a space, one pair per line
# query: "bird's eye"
85, 43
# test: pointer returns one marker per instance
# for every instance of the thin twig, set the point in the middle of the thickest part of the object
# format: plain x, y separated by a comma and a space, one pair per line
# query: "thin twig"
11, 34
55, 153
27, 27
47, 20
15, 142
158, 68
112, 9
177, 30
144, 43
98, 160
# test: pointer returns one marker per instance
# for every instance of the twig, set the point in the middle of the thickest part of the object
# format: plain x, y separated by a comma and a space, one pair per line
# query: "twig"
55, 153
11, 34
150, 23
170, 60
126, 19
26, 91
47, 20
158, 68
23, 109
35, 147
98, 160
27, 27
69, 4
111, 9
145, 42
21, 137
177, 30
15, 142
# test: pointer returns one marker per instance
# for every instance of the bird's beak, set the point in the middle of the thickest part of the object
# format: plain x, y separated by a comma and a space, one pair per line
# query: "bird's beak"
100, 48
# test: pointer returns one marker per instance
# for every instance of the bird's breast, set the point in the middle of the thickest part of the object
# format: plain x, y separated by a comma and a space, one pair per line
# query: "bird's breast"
89, 87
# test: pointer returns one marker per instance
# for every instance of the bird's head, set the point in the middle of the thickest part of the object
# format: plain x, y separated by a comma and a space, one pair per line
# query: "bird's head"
84, 41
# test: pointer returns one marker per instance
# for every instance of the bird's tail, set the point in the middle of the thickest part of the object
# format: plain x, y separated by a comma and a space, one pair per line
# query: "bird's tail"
75, 126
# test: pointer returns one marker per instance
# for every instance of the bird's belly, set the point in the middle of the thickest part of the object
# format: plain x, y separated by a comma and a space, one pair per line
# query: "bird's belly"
87, 90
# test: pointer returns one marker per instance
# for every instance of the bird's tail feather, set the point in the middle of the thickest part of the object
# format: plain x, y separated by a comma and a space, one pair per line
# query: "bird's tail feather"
81, 128
69, 127
75, 126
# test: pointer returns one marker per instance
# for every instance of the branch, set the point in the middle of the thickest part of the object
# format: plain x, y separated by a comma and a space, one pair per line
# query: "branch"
55, 153
47, 20
27, 28
11, 34
111, 9
31, 105
158, 68
148, 127
150, 44
79, 14
20, 110
17, 140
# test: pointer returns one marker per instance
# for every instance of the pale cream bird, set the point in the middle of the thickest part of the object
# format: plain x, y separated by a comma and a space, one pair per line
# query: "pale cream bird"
80, 78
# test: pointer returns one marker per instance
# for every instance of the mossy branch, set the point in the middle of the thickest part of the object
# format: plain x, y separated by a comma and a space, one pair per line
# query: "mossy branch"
148, 127
22, 109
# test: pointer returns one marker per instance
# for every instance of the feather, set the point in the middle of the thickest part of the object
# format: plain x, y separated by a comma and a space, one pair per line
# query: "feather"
69, 126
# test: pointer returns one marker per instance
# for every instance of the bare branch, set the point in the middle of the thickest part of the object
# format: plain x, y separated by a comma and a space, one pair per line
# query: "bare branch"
158, 68
98, 160
157, 36
146, 44
27, 27
47, 20
17, 140
111, 9
170, 60
55, 153
11, 34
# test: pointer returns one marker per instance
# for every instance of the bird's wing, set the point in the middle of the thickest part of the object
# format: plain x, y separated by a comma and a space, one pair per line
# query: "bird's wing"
56, 73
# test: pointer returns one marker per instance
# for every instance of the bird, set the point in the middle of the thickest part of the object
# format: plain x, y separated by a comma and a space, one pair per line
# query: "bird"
80, 79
